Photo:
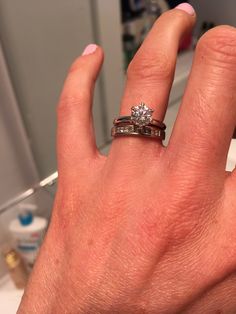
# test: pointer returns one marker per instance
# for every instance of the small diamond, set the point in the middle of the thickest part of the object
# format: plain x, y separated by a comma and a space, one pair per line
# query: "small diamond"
131, 128
141, 115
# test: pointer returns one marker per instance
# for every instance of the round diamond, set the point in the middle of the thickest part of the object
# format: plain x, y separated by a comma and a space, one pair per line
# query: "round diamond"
141, 115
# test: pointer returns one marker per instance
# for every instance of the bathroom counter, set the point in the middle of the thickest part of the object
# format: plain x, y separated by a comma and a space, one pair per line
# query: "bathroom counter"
231, 161
10, 297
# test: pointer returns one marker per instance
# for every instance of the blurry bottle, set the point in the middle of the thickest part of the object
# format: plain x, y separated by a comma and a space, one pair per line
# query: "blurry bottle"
28, 232
16, 267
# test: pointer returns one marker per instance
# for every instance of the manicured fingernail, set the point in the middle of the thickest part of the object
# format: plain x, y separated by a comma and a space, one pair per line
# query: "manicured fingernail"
186, 7
89, 49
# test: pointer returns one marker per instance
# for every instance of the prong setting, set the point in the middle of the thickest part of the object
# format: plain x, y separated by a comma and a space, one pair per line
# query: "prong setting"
141, 115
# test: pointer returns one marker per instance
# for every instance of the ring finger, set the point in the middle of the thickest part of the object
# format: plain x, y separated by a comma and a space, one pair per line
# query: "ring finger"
150, 76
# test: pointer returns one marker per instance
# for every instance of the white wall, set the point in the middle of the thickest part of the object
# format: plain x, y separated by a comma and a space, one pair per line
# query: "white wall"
40, 40
17, 169
217, 11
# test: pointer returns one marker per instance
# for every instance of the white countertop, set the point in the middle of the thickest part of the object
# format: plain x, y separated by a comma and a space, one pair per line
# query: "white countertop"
10, 297
231, 162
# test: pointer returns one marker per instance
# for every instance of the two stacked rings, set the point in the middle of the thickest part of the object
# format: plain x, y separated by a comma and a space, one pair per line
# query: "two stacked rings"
140, 123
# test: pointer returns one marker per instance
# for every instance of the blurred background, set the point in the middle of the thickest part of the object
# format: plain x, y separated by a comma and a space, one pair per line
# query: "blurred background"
38, 43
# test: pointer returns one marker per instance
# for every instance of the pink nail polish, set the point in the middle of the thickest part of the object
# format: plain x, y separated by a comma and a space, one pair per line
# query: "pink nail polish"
91, 48
186, 7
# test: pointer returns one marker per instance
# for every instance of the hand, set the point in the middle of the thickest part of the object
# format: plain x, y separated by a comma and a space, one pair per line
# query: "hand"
148, 229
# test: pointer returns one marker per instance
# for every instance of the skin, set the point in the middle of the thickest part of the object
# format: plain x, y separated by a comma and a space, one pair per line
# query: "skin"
148, 229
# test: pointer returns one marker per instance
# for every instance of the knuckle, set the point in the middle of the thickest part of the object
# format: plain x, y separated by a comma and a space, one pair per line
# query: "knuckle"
150, 68
219, 45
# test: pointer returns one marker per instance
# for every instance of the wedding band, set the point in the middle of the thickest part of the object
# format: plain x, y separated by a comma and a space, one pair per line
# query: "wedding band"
134, 130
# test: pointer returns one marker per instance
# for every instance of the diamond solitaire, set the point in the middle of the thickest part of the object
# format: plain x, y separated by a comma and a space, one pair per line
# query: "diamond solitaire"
141, 115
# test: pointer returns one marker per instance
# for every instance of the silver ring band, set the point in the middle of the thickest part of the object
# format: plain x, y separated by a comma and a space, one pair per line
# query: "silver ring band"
128, 120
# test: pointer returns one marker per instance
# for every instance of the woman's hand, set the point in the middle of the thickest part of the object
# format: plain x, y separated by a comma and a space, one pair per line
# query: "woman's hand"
148, 229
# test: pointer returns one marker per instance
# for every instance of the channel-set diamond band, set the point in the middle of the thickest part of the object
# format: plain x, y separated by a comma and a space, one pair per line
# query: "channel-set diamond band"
133, 130
140, 123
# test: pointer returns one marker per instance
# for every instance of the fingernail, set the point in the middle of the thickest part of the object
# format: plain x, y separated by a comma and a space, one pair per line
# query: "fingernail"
186, 7
89, 49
